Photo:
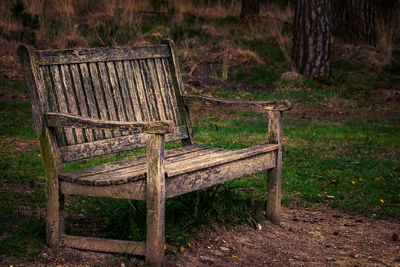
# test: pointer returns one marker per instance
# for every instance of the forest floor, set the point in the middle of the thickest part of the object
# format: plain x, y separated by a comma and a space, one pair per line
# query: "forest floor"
315, 236
307, 236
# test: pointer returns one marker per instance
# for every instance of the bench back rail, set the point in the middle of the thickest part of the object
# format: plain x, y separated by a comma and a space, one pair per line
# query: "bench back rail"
112, 84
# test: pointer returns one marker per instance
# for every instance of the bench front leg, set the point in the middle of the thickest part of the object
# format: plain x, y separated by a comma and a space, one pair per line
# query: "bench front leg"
274, 175
155, 201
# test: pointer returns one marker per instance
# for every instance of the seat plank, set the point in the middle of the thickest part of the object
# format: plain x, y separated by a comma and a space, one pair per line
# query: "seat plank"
230, 170
182, 183
134, 172
179, 162
131, 170
129, 162
216, 158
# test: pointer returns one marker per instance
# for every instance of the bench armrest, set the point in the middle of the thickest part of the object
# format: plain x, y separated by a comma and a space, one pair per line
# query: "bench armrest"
278, 105
56, 119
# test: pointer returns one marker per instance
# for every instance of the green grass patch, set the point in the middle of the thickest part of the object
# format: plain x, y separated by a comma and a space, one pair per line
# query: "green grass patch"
22, 233
15, 120
351, 165
12, 85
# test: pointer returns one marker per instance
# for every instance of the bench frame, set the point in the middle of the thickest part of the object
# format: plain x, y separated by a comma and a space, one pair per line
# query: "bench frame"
46, 123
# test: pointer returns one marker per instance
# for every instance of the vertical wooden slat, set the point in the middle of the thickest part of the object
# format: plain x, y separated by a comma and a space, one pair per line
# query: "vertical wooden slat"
116, 93
132, 91
148, 91
171, 91
62, 103
169, 106
87, 85
71, 99
156, 90
99, 96
52, 102
109, 96
81, 98
178, 90
141, 91
155, 201
124, 90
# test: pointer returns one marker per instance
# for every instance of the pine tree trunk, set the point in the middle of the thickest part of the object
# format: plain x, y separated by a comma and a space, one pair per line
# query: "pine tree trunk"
360, 22
311, 37
387, 12
338, 7
250, 8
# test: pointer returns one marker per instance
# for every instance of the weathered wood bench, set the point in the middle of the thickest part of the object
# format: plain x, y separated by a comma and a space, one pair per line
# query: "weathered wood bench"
91, 102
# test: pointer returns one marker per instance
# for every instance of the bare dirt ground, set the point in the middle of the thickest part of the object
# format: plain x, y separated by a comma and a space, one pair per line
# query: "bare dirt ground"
317, 236
306, 237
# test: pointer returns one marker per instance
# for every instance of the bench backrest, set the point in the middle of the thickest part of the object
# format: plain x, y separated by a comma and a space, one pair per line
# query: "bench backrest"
118, 84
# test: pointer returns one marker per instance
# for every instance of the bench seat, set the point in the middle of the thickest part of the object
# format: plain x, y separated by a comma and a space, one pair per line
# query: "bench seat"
185, 170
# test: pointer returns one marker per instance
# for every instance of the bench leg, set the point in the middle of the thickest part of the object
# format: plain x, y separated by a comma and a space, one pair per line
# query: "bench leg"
54, 214
155, 201
274, 182
274, 176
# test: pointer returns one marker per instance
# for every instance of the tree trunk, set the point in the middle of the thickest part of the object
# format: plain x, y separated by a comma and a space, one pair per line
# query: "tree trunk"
360, 22
311, 37
386, 13
250, 8
338, 7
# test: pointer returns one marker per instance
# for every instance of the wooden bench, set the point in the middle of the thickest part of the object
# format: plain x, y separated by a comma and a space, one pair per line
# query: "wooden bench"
91, 102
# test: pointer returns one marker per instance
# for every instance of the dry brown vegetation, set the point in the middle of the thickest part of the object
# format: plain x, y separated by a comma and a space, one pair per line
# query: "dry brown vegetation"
68, 23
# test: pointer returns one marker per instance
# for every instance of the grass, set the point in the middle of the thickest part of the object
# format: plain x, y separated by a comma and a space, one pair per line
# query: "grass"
349, 165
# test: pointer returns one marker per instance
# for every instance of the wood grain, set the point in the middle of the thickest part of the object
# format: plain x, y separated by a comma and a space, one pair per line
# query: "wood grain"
91, 102
117, 144
56, 119
274, 175
155, 199
281, 105
100, 54
104, 245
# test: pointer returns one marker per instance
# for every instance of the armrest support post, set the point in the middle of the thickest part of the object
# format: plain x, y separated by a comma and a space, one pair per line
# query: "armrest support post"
274, 175
275, 127
155, 201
